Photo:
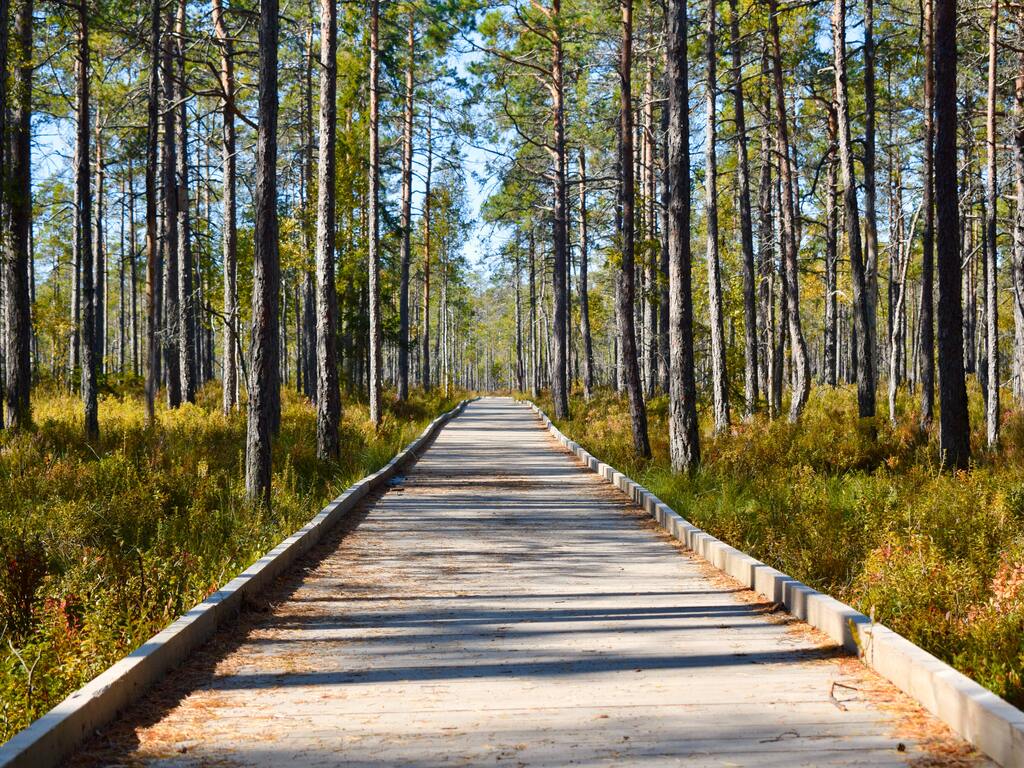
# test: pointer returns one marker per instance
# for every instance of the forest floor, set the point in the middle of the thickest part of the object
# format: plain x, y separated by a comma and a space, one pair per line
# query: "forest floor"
102, 545
871, 520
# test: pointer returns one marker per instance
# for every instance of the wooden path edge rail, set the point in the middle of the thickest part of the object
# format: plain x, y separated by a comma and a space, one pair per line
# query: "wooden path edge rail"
54, 736
990, 723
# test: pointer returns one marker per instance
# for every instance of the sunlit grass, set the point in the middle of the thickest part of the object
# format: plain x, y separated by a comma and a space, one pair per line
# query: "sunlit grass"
102, 545
939, 557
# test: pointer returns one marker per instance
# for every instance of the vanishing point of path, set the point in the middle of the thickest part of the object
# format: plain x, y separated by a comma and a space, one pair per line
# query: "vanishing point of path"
500, 605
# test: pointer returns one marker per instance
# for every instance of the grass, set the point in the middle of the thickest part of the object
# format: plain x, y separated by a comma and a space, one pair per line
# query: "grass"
102, 545
939, 557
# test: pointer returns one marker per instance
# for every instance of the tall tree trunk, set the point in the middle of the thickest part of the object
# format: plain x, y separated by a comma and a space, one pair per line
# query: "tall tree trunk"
518, 277
801, 372
637, 407
328, 396
663, 300
376, 360
263, 350
560, 235
186, 302
719, 374
684, 438
16, 266
229, 226
534, 351
425, 341
406, 256
831, 256
991, 261
171, 222
746, 223
133, 317
870, 194
766, 273
83, 204
954, 428
5, 173
859, 270
152, 242
585, 335
99, 252
1018, 230
650, 262
926, 322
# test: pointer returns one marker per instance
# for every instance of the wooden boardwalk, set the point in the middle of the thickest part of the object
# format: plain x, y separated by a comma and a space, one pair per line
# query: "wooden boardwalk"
502, 606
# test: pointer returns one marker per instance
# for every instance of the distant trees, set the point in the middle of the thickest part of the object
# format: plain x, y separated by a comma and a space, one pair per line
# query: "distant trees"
586, 276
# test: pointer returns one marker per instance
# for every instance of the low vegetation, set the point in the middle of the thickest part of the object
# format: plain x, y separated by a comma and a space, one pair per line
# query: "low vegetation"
937, 556
102, 545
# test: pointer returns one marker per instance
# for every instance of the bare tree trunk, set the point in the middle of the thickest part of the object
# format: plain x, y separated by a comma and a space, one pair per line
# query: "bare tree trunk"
859, 270
831, 256
746, 224
186, 306
637, 407
263, 351
121, 254
425, 353
954, 428
328, 396
18, 304
5, 180
152, 244
766, 275
719, 374
801, 372
534, 352
991, 275
588, 348
230, 232
870, 194
133, 318
406, 257
1018, 232
684, 438
83, 204
518, 278
650, 266
171, 223
926, 323
559, 383
99, 252
376, 361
